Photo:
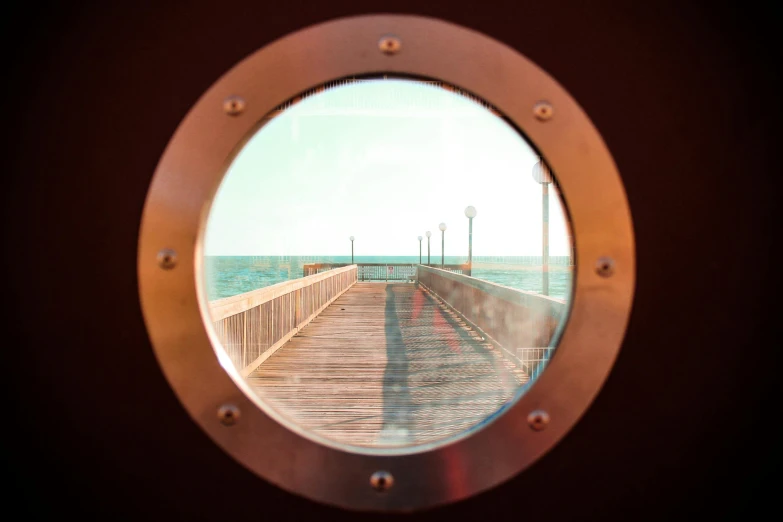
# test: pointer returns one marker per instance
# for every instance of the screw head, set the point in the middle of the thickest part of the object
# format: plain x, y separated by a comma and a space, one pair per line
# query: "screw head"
167, 259
389, 45
228, 414
381, 480
538, 420
234, 105
604, 266
543, 111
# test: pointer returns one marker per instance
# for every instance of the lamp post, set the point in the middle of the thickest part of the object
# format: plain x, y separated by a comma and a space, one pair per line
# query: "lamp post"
428, 234
470, 213
351, 238
442, 228
543, 175
420, 238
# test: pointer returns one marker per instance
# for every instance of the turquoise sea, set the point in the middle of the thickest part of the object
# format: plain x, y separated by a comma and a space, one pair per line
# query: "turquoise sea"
232, 275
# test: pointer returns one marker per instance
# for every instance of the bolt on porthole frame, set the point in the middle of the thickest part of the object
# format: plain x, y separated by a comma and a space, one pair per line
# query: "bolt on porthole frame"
171, 245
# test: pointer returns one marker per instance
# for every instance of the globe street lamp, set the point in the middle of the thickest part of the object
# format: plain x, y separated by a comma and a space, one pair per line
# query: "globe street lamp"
420, 238
543, 175
470, 213
351, 238
442, 228
428, 234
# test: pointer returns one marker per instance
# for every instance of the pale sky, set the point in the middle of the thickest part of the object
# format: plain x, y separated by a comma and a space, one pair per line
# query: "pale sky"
384, 161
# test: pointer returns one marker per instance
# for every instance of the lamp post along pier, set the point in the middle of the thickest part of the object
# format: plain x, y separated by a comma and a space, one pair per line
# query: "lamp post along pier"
543, 175
428, 234
351, 238
442, 228
420, 238
470, 213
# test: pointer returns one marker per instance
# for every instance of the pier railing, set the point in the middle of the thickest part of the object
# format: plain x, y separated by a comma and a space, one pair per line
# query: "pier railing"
383, 271
251, 326
523, 323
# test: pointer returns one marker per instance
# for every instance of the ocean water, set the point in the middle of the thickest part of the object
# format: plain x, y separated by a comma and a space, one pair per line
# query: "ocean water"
232, 275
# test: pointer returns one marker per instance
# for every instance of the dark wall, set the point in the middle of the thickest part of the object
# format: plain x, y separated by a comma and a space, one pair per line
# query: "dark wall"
685, 95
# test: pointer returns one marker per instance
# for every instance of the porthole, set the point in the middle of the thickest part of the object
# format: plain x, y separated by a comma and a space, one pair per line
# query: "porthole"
386, 378
381, 352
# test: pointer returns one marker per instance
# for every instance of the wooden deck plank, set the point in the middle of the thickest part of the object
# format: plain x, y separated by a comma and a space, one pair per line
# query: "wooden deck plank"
386, 365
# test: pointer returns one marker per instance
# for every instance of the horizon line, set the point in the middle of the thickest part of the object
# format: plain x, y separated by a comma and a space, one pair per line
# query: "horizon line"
378, 255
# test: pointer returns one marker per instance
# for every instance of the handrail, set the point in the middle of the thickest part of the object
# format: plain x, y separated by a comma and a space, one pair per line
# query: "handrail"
523, 323
253, 325
222, 308
514, 295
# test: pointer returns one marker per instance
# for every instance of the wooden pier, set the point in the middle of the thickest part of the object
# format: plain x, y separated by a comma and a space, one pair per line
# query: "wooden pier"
379, 364
387, 364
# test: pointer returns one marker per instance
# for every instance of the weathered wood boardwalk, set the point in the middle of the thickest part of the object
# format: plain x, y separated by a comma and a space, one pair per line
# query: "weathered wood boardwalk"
387, 365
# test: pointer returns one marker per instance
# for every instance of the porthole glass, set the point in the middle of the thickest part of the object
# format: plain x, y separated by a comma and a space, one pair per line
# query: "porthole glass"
388, 263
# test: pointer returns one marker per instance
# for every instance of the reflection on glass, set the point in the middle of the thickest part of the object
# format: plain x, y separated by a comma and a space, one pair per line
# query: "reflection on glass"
387, 262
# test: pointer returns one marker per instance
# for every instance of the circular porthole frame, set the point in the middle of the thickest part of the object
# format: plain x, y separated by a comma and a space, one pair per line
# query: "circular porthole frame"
189, 172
